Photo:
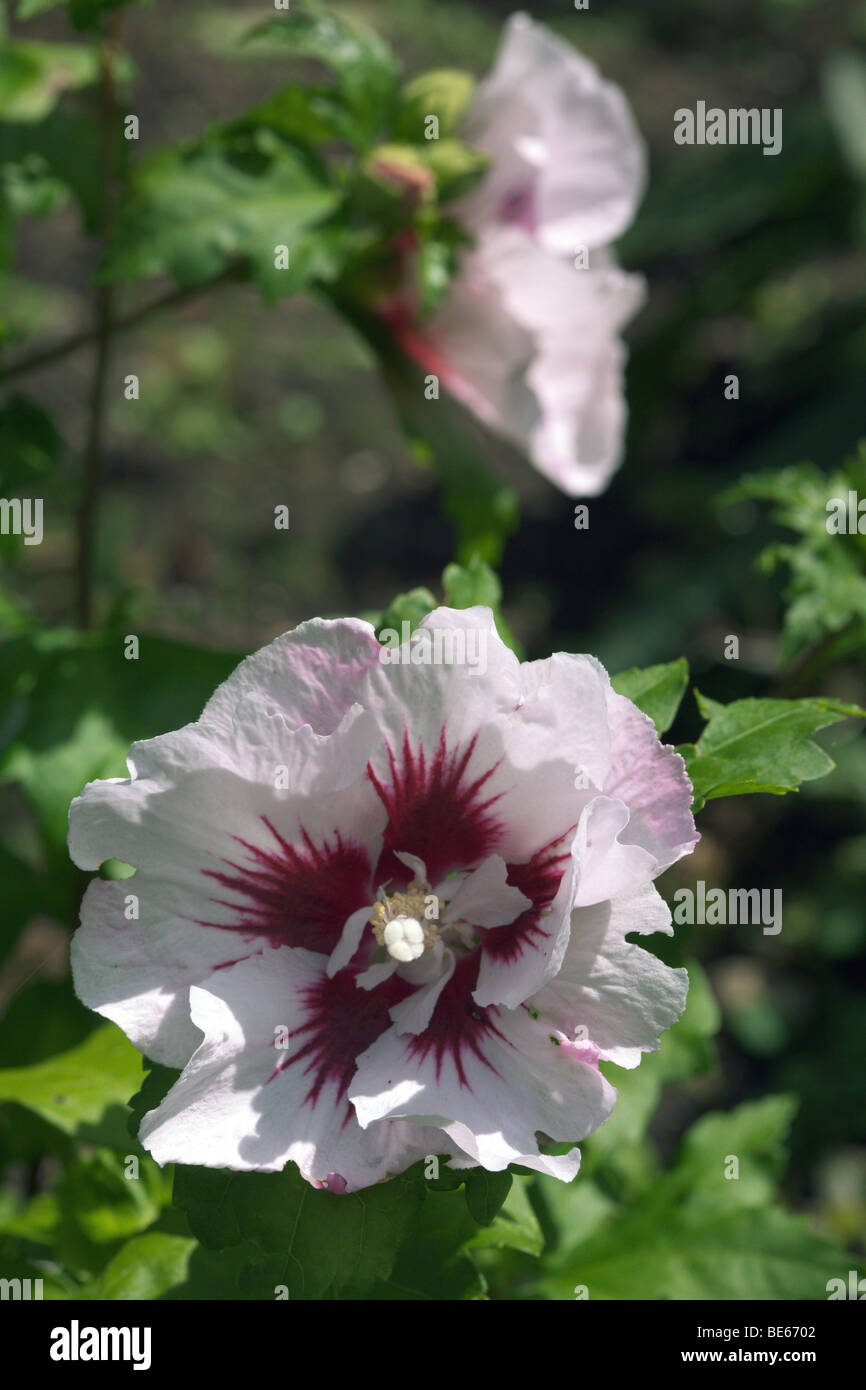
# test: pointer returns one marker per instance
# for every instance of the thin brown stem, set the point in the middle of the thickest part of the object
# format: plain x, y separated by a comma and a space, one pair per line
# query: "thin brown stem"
118, 323
92, 462
93, 448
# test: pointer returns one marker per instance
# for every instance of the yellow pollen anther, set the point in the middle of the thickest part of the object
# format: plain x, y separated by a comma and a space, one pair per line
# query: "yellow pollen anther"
412, 904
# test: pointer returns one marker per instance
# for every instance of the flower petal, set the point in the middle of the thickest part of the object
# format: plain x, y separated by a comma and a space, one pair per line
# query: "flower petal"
486, 897
546, 110
650, 777
616, 996
518, 958
239, 1105
491, 1082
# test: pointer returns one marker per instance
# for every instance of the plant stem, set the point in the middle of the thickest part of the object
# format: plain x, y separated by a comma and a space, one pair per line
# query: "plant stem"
812, 664
117, 323
92, 462
92, 459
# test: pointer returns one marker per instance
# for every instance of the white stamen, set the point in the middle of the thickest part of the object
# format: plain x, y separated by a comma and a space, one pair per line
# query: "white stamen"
404, 938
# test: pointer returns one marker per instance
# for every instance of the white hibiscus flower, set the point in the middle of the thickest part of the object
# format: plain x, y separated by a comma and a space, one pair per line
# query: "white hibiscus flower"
420, 877
524, 339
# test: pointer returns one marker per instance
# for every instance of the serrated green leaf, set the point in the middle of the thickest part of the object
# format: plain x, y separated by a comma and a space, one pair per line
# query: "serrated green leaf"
325, 1241
367, 71
749, 1254
305, 116
433, 1262
657, 690
761, 746
754, 1135
191, 215
83, 1092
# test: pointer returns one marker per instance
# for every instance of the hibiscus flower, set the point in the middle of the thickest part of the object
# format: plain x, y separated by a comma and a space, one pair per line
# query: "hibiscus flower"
528, 337
380, 906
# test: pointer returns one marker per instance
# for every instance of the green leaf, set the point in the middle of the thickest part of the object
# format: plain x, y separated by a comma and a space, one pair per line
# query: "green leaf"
657, 690
305, 116
754, 1134
514, 1227
485, 1193
756, 1254
192, 215
433, 1262
367, 71
70, 706
705, 1229
154, 1088
33, 76
467, 586
760, 746
685, 1050
444, 93
69, 144
83, 1092
325, 1241
407, 608
146, 1267
826, 595
106, 1205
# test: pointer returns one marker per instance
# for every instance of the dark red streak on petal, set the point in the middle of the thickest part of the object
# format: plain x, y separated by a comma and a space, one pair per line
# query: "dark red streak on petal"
539, 880
296, 896
458, 1025
434, 812
344, 1022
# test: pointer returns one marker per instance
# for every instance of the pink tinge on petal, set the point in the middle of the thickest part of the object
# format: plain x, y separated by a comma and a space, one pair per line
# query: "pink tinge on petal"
539, 880
650, 777
343, 1022
458, 1025
585, 1052
433, 355
517, 208
335, 1182
435, 810
295, 896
